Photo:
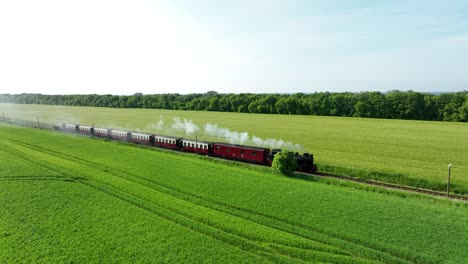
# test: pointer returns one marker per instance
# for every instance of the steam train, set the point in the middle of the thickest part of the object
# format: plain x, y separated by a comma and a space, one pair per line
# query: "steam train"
257, 155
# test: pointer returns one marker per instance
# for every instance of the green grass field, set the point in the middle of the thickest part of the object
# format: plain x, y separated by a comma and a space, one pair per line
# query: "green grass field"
66, 198
407, 152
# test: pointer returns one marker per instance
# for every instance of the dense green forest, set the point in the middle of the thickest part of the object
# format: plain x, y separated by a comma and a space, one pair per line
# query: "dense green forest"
393, 104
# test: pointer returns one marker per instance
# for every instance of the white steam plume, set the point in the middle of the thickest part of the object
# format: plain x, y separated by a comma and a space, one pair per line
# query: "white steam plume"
187, 125
160, 125
276, 143
233, 137
223, 134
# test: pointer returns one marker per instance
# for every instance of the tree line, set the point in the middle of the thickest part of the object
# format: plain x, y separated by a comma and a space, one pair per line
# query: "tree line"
391, 105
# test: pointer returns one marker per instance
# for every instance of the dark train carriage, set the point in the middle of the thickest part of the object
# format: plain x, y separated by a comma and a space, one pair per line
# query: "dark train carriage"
141, 138
243, 153
196, 146
120, 135
70, 127
167, 142
86, 130
58, 126
101, 132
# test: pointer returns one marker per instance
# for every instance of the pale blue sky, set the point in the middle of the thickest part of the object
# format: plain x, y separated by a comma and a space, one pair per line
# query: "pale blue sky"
162, 46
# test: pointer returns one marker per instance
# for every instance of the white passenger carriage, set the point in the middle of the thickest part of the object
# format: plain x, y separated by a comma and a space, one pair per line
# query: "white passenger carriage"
141, 138
166, 142
101, 132
118, 134
196, 146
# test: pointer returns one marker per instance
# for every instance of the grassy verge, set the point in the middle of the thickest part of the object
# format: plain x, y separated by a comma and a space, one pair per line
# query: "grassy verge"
395, 178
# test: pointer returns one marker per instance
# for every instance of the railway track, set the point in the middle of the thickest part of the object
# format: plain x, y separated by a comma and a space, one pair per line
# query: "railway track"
328, 175
389, 185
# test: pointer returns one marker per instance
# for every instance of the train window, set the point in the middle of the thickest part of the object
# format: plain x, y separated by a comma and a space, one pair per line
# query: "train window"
254, 153
241, 151
228, 150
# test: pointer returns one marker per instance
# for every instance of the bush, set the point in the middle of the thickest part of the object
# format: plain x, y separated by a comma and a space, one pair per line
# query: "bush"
284, 162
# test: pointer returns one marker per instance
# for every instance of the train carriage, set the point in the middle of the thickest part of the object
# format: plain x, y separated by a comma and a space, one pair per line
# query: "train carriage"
58, 126
243, 153
70, 127
86, 130
121, 135
167, 142
196, 146
141, 138
101, 132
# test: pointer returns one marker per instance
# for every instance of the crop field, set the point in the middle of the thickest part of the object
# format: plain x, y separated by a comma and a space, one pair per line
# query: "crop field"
75, 199
400, 151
